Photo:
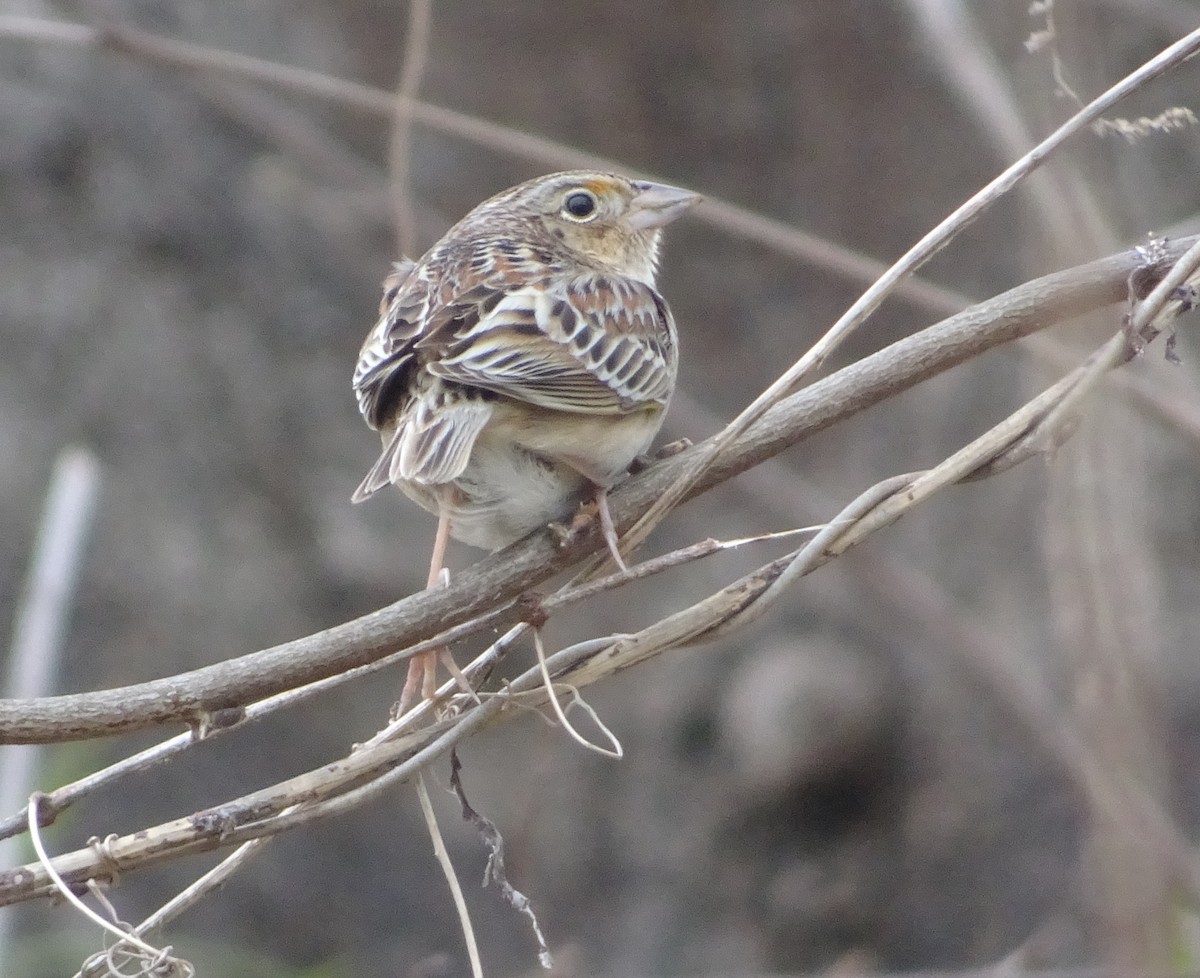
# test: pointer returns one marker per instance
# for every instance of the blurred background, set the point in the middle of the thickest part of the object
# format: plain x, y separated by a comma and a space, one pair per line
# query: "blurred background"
889, 773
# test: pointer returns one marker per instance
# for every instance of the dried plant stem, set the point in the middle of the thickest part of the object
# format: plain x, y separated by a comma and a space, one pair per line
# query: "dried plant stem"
500, 578
443, 858
268, 811
68, 894
615, 751
56, 801
914, 258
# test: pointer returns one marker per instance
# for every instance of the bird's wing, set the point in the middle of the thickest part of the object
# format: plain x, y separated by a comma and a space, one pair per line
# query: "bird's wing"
385, 361
432, 444
488, 318
592, 343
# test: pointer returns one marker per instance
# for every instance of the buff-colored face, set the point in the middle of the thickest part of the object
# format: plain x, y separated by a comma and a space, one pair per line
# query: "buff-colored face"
606, 219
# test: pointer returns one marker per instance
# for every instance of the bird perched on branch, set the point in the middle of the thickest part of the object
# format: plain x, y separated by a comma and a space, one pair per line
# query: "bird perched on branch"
524, 362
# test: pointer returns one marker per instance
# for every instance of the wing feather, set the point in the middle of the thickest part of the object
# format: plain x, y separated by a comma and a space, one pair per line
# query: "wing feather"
497, 318
596, 345
431, 444
386, 362
435, 445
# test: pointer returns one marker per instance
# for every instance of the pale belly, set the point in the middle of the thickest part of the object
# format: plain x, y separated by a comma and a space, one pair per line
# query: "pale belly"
524, 472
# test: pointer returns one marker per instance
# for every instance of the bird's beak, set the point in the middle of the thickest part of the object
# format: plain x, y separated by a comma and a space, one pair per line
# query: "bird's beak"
656, 205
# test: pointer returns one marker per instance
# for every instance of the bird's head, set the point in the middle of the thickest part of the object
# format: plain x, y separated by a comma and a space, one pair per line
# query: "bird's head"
605, 219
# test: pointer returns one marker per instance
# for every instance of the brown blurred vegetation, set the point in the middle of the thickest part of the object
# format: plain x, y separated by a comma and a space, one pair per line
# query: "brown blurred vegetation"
189, 266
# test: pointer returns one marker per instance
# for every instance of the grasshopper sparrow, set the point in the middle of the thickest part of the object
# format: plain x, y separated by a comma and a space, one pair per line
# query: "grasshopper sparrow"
526, 360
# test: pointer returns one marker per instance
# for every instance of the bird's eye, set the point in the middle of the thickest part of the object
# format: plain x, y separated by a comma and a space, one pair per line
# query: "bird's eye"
579, 205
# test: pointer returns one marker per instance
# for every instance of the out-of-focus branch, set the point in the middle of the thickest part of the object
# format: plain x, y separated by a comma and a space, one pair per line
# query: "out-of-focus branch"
41, 622
50, 587
416, 52
723, 215
729, 218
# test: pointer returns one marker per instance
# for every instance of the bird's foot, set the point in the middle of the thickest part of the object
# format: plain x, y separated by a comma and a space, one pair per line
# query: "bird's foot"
669, 450
566, 533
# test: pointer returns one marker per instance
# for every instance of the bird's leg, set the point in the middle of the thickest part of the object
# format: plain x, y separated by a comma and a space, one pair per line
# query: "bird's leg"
411, 681
437, 564
422, 669
437, 559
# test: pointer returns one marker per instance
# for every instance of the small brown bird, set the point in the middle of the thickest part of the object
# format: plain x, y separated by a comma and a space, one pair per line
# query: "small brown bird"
525, 361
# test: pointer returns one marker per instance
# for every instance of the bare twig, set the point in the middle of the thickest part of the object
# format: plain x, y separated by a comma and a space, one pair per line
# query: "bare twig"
206, 885
125, 937
914, 258
615, 751
1062, 202
1038, 426
251, 817
500, 578
443, 858
56, 801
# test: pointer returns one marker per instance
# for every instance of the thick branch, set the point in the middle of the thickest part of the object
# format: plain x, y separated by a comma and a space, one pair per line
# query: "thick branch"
322, 793
501, 577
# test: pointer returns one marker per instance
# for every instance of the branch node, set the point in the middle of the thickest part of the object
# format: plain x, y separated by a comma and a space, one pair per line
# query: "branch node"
531, 609
108, 866
207, 721
215, 822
